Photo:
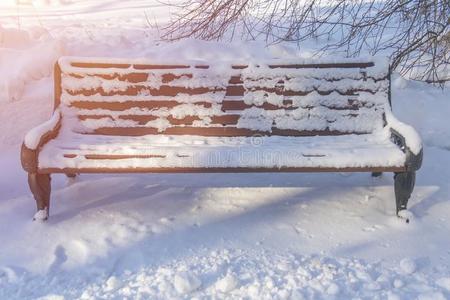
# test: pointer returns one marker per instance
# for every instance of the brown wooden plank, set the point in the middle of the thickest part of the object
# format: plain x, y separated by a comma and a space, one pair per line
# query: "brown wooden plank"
159, 67
235, 80
99, 65
315, 66
230, 105
239, 91
121, 156
57, 91
188, 120
134, 77
166, 78
231, 119
118, 106
323, 65
130, 77
113, 156
125, 66
179, 66
135, 90
213, 131
235, 90
227, 105
221, 170
225, 119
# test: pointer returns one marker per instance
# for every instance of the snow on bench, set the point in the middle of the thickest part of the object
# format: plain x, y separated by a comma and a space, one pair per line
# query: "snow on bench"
114, 115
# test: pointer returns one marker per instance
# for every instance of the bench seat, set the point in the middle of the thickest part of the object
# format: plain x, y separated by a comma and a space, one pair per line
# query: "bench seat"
91, 153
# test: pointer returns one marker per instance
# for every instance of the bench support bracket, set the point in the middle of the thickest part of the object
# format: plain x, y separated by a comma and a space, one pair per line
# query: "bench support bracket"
40, 187
403, 185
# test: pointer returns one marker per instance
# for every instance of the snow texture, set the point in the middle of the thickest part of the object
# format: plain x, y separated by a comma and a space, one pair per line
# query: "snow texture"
412, 138
33, 137
250, 236
194, 151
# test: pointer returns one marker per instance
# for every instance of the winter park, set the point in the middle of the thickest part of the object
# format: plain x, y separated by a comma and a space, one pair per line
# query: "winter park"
224, 149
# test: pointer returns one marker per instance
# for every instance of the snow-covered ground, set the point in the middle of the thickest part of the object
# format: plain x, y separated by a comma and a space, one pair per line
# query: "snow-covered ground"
251, 236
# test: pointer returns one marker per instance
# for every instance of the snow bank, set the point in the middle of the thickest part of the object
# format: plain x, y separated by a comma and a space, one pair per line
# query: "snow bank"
256, 275
18, 66
14, 38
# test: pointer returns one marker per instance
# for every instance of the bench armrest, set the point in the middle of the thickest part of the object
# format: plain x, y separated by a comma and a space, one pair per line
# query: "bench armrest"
36, 138
407, 138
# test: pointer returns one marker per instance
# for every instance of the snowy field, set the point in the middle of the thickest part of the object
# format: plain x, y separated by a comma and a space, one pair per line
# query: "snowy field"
205, 236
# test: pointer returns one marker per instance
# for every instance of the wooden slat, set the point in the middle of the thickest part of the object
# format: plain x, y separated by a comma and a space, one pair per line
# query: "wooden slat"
119, 106
239, 91
135, 90
57, 90
99, 65
231, 105
90, 65
113, 156
235, 80
166, 78
134, 77
212, 131
272, 66
122, 156
159, 67
235, 90
142, 120
314, 66
227, 105
188, 120
130, 77
323, 66
220, 170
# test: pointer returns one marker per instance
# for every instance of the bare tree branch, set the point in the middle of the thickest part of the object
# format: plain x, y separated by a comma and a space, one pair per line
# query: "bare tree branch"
415, 32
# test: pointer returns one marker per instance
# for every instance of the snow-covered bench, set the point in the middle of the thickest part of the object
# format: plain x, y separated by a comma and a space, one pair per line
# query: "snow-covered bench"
115, 115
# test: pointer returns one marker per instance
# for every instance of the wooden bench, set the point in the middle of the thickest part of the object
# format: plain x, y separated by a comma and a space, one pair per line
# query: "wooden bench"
124, 115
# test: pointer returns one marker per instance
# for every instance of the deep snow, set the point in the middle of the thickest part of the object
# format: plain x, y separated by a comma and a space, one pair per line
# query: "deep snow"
257, 236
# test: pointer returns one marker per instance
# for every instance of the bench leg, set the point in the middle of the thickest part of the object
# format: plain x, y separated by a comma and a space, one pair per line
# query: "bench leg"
40, 187
377, 174
403, 185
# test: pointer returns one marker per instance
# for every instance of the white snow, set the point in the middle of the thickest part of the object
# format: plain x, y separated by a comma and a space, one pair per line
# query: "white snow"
41, 215
18, 63
412, 138
408, 266
224, 236
210, 152
228, 283
186, 283
33, 137
444, 282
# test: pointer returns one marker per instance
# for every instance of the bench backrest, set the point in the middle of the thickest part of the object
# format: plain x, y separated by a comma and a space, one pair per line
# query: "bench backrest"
135, 97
